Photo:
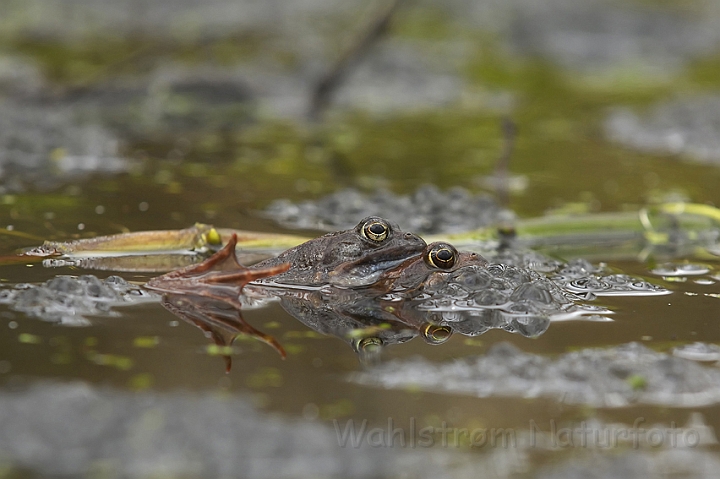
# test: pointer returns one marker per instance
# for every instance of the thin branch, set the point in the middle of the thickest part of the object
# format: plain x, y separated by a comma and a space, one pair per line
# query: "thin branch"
369, 35
502, 168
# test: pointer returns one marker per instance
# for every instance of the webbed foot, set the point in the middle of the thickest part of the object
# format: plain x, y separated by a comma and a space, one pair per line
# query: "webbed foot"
219, 277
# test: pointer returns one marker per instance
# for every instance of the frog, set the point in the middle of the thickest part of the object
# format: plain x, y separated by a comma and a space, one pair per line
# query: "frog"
353, 258
431, 267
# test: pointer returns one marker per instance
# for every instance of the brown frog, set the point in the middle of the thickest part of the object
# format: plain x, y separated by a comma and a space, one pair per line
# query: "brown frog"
347, 259
351, 258
431, 267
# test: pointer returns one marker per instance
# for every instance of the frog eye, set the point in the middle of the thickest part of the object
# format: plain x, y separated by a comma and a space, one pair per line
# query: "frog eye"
434, 334
375, 230
441, 255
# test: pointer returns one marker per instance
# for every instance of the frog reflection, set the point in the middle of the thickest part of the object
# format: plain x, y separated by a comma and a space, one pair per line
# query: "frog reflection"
365, 322
221, 322
366, 331
360, 319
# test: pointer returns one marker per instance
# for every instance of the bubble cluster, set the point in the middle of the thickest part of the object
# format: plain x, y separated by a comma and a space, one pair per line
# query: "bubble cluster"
593, 377
428, 210
41, 145
474, 299
689, 126
68, 299
585, 280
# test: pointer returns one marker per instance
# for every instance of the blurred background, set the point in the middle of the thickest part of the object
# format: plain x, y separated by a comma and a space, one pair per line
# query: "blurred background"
219, 99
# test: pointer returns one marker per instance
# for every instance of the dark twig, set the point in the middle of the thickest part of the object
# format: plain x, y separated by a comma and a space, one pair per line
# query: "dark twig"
369, 34
502, 168
506, 230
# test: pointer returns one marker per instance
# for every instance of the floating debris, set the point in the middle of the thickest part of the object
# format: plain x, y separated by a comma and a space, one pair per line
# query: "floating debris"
69, 299
599, 36
582, 278
701, 352
502, 296
611, 285
44, 146
428, 210
687, 126
614, 377
686, 269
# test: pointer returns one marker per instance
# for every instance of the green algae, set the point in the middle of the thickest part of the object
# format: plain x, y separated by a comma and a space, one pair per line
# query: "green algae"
98, 57
265, 377
146, 341
27, 338
141, 382
122, 363
637, 382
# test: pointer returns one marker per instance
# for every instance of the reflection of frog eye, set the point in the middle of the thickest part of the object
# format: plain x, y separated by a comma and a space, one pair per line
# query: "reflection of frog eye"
375, 230
441, 255
367, 346
434, 334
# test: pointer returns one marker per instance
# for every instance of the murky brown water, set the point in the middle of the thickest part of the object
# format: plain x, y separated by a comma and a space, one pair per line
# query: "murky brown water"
227, 175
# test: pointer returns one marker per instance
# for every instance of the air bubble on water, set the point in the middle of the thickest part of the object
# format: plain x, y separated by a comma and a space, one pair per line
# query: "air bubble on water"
595, 318
452, 316
686, 269
391, 297
698, 352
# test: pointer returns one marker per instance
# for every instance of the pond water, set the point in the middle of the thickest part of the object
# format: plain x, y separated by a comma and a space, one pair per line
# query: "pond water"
113, 121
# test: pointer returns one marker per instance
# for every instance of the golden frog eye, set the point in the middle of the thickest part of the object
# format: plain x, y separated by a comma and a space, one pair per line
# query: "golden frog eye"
441, 255
369, 344
434, 334
375, 230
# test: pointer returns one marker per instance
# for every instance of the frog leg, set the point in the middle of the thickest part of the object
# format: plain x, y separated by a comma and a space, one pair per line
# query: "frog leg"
220, 276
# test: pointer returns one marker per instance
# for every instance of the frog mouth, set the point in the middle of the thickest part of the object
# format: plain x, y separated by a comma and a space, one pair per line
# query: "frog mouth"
369, 269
